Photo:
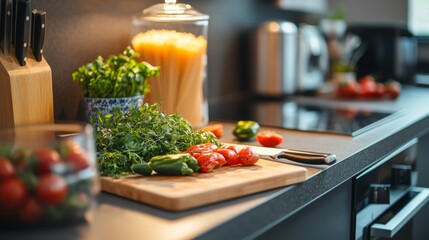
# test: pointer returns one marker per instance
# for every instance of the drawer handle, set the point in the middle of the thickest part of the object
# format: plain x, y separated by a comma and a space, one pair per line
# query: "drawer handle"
389, 229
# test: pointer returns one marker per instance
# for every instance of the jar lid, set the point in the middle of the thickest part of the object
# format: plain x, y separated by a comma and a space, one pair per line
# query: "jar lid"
172, 11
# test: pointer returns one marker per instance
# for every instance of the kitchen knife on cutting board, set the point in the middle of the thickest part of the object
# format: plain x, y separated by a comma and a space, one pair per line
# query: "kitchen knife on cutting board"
296, 157
38, 33
5, 25
22, 30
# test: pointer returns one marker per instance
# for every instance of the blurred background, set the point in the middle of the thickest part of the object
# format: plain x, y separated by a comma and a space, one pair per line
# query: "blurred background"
80, 30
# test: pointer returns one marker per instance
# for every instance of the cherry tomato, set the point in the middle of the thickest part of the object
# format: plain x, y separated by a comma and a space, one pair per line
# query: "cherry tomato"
76, 156
379, 92
197, 150
368, 86
232, 147
13, 193
392, 89
248, 156
46, 158
6, 169
208, 166
216, 129
51, 189
209, 161
269, 138
31, 211
230, 156
349, 89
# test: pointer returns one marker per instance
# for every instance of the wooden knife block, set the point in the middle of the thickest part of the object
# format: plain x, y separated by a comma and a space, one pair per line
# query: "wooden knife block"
25, 92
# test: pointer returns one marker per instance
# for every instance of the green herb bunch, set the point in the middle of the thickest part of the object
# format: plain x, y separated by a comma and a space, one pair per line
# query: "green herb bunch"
127, 138
118, 76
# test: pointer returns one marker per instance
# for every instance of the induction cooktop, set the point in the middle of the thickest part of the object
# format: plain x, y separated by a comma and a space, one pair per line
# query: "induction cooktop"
343, 120
340, 120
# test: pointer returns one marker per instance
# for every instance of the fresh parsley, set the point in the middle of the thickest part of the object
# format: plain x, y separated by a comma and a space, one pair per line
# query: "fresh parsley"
137, 135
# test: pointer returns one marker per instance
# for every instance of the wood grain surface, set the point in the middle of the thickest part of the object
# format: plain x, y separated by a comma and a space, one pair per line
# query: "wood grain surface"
178, 193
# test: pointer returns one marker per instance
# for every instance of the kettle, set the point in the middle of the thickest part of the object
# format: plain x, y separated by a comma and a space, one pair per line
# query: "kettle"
289, 59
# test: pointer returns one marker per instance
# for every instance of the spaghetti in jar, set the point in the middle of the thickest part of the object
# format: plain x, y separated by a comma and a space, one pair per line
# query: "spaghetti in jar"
174, 37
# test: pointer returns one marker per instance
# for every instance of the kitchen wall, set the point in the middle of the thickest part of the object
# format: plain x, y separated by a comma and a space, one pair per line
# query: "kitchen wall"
80, 30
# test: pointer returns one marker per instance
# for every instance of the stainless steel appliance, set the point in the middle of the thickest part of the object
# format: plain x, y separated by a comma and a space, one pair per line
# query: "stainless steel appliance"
276, 59
288, 59
386, 198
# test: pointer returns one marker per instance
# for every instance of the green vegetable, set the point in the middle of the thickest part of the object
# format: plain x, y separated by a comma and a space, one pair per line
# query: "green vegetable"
174, 164
126, 138
118, 76
245, 130
142, 168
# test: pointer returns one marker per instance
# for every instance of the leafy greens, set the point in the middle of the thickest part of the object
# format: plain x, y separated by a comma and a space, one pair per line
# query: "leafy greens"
118, 76
126, 138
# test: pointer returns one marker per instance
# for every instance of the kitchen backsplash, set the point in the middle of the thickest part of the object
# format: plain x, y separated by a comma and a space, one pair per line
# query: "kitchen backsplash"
80, 30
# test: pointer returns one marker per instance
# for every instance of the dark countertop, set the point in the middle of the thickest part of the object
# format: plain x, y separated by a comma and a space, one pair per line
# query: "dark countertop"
247, 217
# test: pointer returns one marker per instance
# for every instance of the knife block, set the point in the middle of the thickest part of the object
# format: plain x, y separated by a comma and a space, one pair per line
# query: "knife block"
25, 92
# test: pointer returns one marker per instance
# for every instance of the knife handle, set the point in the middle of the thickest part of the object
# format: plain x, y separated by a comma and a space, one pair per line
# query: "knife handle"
307, 157
22, 30
5, 25
38, 33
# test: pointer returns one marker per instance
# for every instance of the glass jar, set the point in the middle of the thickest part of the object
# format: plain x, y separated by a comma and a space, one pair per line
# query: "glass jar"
174, 36
48, 175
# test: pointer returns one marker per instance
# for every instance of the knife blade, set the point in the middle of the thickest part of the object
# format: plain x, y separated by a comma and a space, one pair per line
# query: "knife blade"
38, 33
22, 30
297, 157
5, 26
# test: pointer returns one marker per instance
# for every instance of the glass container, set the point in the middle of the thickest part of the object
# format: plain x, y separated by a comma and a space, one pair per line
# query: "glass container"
48, 175
174, 36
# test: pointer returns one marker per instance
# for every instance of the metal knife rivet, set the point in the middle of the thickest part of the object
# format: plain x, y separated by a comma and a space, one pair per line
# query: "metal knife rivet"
8, 13
25, 44
43, 25
27, 18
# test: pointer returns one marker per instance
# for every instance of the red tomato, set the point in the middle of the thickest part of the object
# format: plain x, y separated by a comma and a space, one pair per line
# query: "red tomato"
368, 86
232, 147
13, 193
392, 89
46, 158
197, 150
216, 129
30, 212
349, 89
51, 189
6, 168
248, 156
379, 92
269, 138
208, 166
230, 156
76, 156
209, 161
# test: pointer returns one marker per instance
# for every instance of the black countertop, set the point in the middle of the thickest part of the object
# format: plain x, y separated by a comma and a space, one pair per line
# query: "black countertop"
247, 217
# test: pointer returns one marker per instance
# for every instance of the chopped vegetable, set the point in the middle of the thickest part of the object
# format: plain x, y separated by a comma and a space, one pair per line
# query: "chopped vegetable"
248, 156
137, 135
216, 129
245, 130
269, 138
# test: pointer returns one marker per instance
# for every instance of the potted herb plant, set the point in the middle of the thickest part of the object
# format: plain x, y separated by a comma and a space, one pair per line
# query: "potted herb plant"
120, 81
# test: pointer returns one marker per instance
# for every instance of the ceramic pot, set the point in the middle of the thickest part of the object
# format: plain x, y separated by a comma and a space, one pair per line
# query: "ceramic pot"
106, 105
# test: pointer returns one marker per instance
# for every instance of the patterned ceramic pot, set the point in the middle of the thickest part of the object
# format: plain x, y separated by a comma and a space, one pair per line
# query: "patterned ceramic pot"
106, 105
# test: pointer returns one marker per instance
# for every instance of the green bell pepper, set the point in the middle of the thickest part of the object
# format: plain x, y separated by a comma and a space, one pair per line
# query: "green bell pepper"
245, 130
174, 164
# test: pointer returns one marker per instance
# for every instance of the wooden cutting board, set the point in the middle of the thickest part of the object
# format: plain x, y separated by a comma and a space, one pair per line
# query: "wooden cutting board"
184, 192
